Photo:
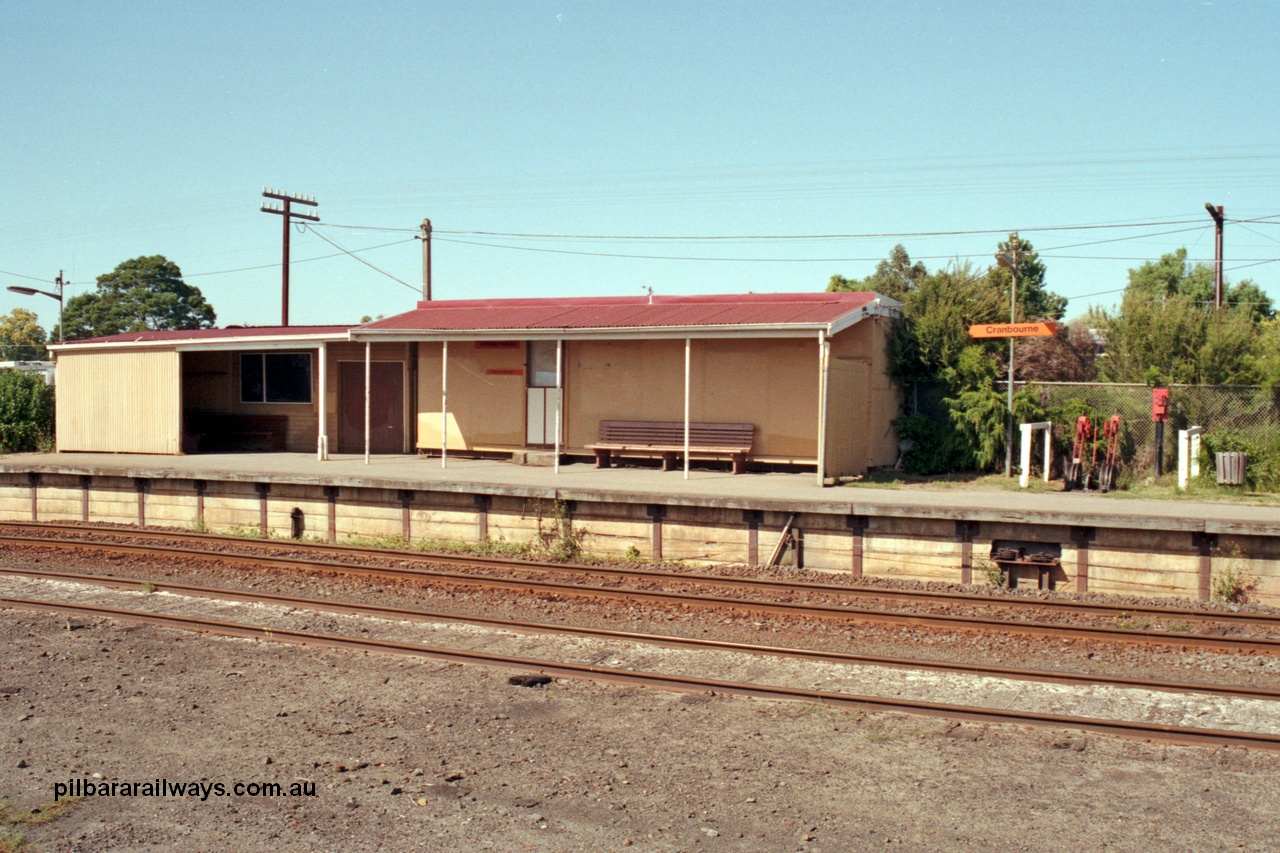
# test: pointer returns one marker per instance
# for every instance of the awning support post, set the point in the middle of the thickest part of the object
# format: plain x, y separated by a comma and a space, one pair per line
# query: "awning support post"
444, 405
824, 361
688, 349
559, 397
368, 369
322, 439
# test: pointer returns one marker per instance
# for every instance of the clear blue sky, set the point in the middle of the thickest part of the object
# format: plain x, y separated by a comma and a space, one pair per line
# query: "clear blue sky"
145, 128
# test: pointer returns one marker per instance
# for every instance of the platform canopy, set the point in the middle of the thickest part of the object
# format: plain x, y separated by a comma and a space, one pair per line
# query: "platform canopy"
228, 338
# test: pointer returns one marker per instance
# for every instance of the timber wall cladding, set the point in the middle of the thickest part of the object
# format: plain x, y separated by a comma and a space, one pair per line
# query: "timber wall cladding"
1158, 563
772, 384
486, 396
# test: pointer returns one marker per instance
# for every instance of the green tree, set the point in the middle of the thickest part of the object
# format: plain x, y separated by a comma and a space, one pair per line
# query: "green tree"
926, 345
143, 293
1247, 295
895, 276
1167, 329
1264, 361
1173, 276
21, 337
1035, 301
1169, 276
26, 412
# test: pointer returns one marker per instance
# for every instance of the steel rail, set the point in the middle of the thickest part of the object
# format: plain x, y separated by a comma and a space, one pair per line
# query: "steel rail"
1149, 731
819, 611
381, 611
928, 596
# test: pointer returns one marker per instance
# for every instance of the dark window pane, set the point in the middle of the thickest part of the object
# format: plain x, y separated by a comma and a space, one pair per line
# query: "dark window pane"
288, 377
251, 378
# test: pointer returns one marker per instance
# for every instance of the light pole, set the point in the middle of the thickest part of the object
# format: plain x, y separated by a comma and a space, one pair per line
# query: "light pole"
31, 291
1011, 263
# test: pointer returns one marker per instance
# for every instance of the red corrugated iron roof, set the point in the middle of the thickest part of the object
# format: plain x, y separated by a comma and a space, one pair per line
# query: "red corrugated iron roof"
751, 309
181, 335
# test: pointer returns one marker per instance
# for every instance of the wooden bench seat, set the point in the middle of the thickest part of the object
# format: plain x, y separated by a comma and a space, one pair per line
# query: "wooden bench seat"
207, 432
666, 438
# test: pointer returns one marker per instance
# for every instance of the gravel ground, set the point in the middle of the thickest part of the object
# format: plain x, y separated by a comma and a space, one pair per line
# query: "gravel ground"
412, 755
1097, 702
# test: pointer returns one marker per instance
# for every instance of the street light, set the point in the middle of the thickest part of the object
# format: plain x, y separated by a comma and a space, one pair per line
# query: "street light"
31, 291
1011, 263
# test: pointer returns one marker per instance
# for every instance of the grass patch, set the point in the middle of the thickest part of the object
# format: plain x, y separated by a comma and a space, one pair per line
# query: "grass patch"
12, 841
38, 816
246, 532
391, 542
888, 478
1230, 583
1164, 488
991, 573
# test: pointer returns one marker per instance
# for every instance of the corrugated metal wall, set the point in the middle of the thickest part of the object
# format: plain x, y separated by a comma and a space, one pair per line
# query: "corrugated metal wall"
849, 411
120, 402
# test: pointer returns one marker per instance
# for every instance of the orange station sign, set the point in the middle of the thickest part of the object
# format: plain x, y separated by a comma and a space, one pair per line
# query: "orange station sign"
1012, 330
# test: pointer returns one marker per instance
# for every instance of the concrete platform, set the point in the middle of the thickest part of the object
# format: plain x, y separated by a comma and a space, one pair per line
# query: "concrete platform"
581, 481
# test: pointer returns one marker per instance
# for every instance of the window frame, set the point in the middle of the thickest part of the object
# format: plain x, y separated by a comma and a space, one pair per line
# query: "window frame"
548, 349
264, 401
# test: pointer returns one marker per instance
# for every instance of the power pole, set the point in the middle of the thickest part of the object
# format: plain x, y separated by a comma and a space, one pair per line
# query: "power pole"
288, 215
1216, 213
425, 237
1010, 260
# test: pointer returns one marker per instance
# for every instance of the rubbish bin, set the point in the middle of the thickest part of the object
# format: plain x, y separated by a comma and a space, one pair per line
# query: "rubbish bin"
1231, 468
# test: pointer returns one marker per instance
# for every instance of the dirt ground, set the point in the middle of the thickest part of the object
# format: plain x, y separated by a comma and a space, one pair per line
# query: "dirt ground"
409, 755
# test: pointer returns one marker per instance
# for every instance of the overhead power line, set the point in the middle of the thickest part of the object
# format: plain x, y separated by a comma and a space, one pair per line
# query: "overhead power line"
780, 237
298, 261
1045, 253
316, 231
29, 277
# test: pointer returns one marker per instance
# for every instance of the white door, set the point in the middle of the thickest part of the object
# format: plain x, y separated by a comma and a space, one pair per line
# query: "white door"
541, 423
543, 395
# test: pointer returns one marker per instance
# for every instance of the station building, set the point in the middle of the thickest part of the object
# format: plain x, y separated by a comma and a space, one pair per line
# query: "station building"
503, 377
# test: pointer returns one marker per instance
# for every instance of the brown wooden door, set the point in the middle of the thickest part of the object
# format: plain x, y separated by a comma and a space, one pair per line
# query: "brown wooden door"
386, 407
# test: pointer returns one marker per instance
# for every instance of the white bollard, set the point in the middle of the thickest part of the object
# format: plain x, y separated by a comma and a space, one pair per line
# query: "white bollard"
1188, 455
1027, 431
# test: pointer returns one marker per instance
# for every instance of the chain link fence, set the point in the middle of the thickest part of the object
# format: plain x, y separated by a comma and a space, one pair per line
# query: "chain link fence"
1243, 411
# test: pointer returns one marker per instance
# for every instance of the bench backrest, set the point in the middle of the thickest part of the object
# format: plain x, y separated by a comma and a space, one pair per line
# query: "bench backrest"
672, 433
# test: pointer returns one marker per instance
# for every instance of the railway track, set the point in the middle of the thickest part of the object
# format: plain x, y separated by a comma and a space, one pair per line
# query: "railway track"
1140, 729
614, 572
418, 615
533, 586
